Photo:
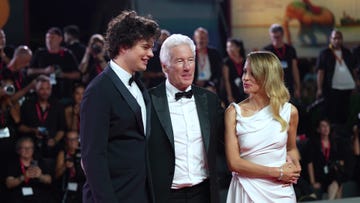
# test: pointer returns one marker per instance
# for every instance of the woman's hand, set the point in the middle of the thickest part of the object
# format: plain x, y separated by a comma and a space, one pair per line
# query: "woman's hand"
290, 173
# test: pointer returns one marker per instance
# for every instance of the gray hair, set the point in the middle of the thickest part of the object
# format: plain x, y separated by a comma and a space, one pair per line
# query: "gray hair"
173, 41
276, 28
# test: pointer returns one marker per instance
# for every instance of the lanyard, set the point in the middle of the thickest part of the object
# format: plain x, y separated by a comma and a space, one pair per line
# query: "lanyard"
202, 59
2, 119
23, 171
325, 151
337, 58
42, 117
239, 67
18, 81
98, 69
281, 54
72, 171
78, 124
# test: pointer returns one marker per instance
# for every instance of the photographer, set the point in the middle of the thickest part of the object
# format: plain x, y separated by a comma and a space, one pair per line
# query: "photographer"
356, 149
68, 170
5, 51
9, 120
326, 165
56, 62
43, 119
94, 60
27, 179
16, 71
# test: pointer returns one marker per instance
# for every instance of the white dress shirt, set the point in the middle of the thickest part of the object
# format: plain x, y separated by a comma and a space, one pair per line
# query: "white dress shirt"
342, 78
133, 89
204, 68
190, 157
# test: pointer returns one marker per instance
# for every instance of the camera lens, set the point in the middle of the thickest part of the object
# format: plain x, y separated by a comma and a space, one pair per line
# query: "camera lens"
96, 49
9, 89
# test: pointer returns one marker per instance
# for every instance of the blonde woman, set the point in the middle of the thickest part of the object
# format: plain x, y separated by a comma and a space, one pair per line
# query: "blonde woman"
260, 135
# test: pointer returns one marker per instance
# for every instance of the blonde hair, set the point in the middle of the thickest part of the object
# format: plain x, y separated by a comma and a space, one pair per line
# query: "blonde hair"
268, 72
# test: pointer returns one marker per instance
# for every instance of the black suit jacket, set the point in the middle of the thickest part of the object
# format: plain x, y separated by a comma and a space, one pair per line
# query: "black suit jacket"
113, 142
161, 141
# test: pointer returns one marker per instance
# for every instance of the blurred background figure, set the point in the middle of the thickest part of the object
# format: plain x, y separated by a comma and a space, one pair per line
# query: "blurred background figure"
9, 120
336, 79
208, 61
28, 179
42, 118
153, 75
94, 60
288, 58
56, 62
72, 41
5, 51
326, 163
16, 70
232, 71
72, 112
356, 150
68, 172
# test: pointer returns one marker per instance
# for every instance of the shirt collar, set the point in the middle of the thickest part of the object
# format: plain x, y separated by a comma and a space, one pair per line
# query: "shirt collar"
171, 90
121, 73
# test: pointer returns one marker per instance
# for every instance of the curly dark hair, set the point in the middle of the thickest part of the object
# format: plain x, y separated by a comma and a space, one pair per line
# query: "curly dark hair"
128, 28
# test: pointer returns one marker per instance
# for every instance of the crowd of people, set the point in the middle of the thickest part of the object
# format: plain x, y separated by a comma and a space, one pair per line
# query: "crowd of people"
43, 115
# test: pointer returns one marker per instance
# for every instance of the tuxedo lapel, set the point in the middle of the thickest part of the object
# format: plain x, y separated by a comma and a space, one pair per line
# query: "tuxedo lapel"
161, 106
130, 100
147, 100
201, 103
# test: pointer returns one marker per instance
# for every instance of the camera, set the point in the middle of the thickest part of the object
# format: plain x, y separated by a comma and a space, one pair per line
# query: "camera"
58, 70
33, 163
43, 131
9, 89
96, 49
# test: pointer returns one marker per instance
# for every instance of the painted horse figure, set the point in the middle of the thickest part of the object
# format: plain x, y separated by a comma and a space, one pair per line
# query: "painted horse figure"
311, 18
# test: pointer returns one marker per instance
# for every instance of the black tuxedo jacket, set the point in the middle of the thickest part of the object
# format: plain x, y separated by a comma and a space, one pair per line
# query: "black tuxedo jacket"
161, 140
113, 142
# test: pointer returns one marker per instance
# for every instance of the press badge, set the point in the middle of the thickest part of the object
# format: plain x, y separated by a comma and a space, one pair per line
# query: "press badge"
72, 186
284, 64
201, 75
4, 133
237, 82
27, 191
326, 169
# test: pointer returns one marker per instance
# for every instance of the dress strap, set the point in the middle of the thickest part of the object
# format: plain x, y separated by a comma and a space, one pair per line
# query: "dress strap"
237, 108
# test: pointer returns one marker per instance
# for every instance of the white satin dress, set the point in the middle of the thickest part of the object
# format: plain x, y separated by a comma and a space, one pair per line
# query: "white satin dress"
262, 142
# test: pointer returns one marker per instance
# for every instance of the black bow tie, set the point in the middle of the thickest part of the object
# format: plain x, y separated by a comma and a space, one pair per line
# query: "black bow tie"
132, 79
187, 94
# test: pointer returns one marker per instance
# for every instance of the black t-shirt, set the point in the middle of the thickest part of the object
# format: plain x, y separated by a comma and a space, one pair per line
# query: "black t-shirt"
285, 54
78, 50
41, 191
9, 52
235, 80
64, 60
323, 166
356, 54
18, 77
53, 119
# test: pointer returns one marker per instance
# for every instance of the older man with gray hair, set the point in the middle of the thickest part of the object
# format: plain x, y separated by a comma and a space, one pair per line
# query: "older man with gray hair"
186, 123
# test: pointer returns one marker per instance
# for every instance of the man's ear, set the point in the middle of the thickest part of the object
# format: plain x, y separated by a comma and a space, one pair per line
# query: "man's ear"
164, 68
123, 49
